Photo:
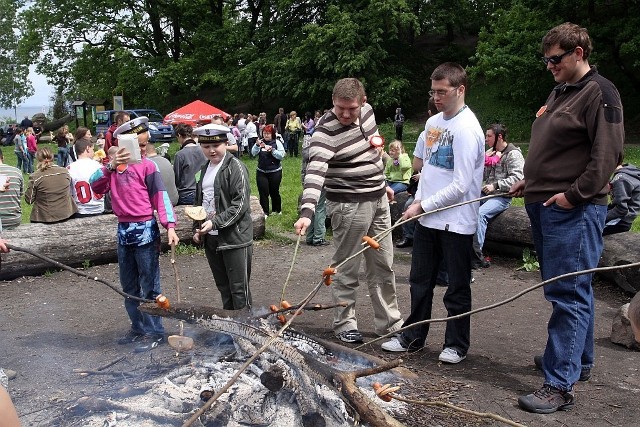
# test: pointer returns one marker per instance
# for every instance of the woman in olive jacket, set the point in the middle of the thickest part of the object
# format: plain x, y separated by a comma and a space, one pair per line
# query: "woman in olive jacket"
49, 190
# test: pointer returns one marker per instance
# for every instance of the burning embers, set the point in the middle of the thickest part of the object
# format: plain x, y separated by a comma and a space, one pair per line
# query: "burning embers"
298, 382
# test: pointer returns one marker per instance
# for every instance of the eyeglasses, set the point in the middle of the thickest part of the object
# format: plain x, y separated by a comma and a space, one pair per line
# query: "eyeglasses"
441, 92
556, 59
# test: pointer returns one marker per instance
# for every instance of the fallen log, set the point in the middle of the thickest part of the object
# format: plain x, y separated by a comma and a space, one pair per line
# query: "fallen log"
54, 125
510, 233
79, 241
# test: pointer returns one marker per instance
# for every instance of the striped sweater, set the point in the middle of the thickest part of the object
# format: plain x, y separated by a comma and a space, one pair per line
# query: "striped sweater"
342, 160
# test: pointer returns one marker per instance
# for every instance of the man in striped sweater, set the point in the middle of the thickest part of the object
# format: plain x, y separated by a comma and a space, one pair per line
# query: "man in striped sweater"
343, 160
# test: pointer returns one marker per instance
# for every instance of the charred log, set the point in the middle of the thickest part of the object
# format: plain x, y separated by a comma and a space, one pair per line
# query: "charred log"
308, 368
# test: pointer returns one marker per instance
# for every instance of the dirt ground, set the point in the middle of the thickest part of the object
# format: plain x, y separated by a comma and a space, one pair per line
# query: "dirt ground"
52, 324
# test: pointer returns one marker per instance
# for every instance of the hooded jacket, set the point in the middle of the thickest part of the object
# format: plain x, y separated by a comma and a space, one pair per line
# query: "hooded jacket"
625, 195
507, 171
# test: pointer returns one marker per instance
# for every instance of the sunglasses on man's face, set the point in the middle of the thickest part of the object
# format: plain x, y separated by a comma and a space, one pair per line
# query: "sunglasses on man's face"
556, 59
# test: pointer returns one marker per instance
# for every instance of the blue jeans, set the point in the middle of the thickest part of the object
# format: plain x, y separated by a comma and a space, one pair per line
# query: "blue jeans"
140, 276
567, 241
21, 161
398, 187
489, 209
63, 156
430, 248
30, 157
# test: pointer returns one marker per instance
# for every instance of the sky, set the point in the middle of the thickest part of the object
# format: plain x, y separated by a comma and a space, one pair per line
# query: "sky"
42, 90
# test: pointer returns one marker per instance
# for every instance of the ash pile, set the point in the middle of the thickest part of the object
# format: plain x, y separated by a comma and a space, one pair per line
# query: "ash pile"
293, 383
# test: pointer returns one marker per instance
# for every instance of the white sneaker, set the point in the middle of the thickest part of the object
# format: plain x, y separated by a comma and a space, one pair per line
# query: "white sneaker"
394, 345
450, 355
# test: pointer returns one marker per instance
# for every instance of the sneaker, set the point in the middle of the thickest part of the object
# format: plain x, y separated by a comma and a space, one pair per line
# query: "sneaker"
350, 336
131, 337
585, 374
396, 346
546, 400
450, 355
149, 342
320, 243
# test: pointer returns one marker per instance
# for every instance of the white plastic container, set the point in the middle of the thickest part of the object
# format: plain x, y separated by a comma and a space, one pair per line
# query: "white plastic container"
129, 142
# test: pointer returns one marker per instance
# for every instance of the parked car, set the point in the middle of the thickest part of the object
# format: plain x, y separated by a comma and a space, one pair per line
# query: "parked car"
158, 130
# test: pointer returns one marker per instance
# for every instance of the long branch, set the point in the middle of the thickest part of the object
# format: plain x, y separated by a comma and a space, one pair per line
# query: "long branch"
76, 271
500, 303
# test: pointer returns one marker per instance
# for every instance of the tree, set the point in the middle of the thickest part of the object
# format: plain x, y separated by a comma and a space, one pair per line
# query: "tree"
14, 69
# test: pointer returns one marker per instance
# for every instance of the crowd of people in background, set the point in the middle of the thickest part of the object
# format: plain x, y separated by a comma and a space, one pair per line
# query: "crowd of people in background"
348, 176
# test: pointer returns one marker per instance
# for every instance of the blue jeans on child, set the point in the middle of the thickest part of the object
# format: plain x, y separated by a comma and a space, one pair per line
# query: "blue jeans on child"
140, 276
566, 241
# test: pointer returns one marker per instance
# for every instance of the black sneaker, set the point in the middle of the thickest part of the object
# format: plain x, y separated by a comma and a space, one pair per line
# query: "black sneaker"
130, 338
404, 243
585, 374
546, 400
321, 243
350, 336
149, 342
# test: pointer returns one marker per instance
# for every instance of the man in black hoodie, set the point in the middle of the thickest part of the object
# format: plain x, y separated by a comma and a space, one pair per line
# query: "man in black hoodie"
625, 199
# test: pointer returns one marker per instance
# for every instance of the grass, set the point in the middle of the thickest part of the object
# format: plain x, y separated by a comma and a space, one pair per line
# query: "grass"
291, 186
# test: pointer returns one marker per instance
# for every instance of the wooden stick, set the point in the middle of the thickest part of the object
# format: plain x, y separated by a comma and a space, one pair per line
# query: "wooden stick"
308, 307
101, 368
489, 415
506, 301
76, 271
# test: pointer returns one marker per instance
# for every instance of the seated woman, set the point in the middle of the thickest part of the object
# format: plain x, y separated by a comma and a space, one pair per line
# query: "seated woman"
49, 190
398, 169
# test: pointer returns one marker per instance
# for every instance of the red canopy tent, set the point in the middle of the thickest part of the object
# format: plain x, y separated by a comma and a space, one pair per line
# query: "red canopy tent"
195, 112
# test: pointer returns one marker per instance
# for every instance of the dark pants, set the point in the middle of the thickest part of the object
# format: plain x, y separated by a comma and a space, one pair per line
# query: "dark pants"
186, 197
399, 133
269, 186
616, 228
231, 270
430, 248
292, 144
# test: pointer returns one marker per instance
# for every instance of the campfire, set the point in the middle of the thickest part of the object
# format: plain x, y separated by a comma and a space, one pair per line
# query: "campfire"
299, 381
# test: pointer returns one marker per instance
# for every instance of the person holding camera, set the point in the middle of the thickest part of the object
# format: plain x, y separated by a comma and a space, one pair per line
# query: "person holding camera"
270, 151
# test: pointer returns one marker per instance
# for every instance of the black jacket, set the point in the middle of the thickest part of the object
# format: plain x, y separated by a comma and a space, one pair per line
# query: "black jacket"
231, 198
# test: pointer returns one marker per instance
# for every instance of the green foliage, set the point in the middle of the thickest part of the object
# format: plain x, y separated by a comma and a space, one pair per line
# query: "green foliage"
86, 264
14, 67
529, 261
488, 104
189, 249
507, 57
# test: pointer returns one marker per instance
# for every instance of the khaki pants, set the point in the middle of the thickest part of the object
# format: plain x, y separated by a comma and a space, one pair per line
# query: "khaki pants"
350, 222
